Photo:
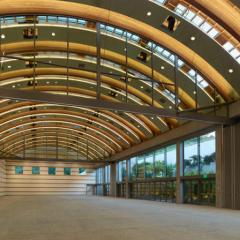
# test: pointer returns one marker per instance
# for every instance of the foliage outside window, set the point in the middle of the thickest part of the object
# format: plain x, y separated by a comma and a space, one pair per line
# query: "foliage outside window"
51, 171
19, 170
67, 171
199, 155
35, 170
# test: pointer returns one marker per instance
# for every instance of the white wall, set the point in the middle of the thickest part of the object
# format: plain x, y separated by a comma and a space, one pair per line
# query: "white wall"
2, 177
44, 184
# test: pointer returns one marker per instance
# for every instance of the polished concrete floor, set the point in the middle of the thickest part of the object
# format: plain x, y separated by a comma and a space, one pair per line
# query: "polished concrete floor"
95, 218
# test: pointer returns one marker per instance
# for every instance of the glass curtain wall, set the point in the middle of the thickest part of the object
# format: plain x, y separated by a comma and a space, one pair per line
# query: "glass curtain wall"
152, 176
200, 169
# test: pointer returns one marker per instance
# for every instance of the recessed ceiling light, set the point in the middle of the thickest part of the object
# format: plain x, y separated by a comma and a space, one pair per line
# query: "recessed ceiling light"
138, 126
194, 92
193, 38
152, 118
49, 61
53, 34
142, 87
13, 86
9, 66
3, 36
149, 13
47, 82
170, 107
162, 67
230, 70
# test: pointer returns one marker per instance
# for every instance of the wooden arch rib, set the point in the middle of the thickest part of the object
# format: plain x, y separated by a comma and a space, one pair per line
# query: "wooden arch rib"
94, 139
43, 138
98, 14
223, 12
63, 132
112, 129
16, 106
149, 124
90, 50
103, 136
63, 115
39, 144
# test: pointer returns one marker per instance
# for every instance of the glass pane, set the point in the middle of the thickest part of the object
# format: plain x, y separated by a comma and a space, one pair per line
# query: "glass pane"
35, 170
140, 166
19, 170
207, 154
133, 168
82, 170
67, 171
171, 161
124, 170
51, 171
160, 164
149, 166
191, 157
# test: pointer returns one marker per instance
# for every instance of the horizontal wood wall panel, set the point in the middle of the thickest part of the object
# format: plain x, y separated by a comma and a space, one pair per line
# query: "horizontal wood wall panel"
2, 177
44, 184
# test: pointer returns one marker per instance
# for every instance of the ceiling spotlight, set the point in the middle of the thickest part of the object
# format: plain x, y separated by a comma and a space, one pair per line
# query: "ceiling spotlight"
230, 70
152, 118
53, 34
47, 82
142, 87
149, 13
194, 92
162, 67
3, 36
193, 38
13, 86
170, 107
9, 66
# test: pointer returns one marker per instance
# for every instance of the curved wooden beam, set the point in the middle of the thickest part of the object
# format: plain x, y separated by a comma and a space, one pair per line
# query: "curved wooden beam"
121, 122
102, 15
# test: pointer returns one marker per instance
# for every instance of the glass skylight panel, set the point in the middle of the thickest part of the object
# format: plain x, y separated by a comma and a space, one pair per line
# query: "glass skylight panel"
102, 26
135, 38
205, 27
180, 63
109, 29
198, 20
52, 19
118, 31
238, 60
166, 54
213, 33
180, 9
172, 58
62, 19
228, 46
203, 84
72, 20
82, 22
235, 53
192, 73
159, 49
199, 78
189, 15
159, 2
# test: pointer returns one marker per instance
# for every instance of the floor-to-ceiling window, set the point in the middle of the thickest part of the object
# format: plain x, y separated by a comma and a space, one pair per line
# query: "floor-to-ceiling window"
152, 175
121, 178
199, 168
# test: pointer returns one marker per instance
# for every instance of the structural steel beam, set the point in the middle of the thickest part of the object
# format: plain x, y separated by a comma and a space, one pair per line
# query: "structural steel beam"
65, 100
